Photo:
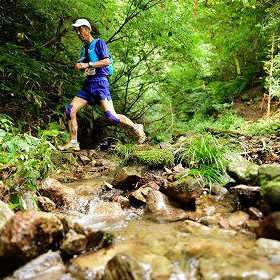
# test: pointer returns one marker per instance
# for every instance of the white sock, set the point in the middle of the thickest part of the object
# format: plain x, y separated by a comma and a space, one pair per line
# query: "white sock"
136, 127
74, 142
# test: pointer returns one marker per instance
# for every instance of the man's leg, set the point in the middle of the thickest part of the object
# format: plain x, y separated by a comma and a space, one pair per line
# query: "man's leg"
71, 113
108, 108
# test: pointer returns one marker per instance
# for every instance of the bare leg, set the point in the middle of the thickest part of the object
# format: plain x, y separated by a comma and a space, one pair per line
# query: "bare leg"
107, 105
77, 103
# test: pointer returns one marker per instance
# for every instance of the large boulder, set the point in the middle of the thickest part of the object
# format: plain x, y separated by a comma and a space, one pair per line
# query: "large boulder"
60, 194
160, 207
45, 267
28, 234
5, 213
243, 172
126, 178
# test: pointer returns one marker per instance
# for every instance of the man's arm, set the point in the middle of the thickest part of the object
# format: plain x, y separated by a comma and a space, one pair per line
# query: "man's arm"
99, 64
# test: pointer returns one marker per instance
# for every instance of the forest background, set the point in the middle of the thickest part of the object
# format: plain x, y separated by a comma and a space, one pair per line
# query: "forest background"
179, 65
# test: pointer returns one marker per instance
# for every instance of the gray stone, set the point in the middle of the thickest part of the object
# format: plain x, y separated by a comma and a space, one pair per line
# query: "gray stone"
237, 219
269, 246
45, 267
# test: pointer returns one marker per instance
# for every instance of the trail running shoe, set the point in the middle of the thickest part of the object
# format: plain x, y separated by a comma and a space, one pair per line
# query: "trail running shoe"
69, 147
139, 130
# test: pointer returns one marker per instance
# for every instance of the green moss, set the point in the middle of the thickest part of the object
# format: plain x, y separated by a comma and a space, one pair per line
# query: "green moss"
155, 157
188, 184
271, 192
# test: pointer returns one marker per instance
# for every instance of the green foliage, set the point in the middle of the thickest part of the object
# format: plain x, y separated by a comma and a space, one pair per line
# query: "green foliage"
263, 127
155, 157
205, 154
25, 160
125, 151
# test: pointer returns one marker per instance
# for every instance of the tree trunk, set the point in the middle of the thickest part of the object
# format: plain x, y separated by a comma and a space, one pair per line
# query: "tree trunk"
270, 74
195, 8
237, 64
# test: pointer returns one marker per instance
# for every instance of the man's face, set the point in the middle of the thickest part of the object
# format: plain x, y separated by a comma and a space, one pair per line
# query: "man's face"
83, 33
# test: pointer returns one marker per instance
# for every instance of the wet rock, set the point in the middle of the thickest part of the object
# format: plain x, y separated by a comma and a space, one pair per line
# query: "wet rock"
126, 267
46, 204
126, 178
74, 243
153, 185
138, 197
123, 201
243, 171
84, 159
270, 227
252, 225
5, 213
237, 219
28, 234
60, 194
185, 190
45, 267
269, 246
255, 213
160, 207
105, 210
210, 220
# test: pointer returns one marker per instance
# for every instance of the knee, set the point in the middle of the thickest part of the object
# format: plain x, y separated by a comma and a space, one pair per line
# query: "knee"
70, 112
111, 117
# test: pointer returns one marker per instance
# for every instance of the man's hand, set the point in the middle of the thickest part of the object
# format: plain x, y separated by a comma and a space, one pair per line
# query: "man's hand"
81, 66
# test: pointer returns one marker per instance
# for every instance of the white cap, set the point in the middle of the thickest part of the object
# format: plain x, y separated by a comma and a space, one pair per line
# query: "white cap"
81, 22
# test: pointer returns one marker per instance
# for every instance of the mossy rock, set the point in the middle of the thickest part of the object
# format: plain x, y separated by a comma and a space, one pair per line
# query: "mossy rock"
155, 157
271, 193
188, 183
243, 171
269, 172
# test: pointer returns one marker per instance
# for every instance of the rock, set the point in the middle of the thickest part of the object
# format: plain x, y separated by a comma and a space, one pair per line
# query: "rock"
243, 171
271, 193
74, 243
237, 219
126, 178
60, 194
269, 246
252, 225
247, 195
180, 140
84, 159
5, 213
210, 220
269, 172
45, 267
46, 204
209, 211
255, 213
139, 196
28, 234
165, 145
217, 189
179, 168
185, 190
159, 207
270, 227
123, 201
126, 267
152, 185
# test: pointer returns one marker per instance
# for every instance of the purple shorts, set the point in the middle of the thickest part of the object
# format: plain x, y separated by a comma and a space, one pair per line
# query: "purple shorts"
95, 89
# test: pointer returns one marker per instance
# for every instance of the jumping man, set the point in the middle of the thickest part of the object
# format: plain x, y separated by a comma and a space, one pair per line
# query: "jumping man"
95, 62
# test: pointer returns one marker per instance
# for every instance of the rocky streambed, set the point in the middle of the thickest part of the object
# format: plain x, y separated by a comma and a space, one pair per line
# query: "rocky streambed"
107, 222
